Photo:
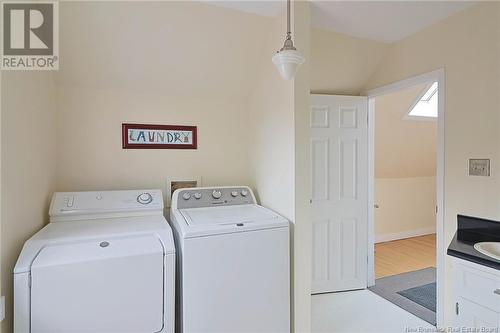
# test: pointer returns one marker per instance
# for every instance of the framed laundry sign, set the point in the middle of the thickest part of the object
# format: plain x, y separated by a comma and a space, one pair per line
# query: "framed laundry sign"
142, 136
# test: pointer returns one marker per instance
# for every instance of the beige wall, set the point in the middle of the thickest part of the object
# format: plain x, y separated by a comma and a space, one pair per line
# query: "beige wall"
28, 165
90, 153
171, 48
467, 46
179, 63
341, 64
405, 168
403, 147
271, 131
406, 207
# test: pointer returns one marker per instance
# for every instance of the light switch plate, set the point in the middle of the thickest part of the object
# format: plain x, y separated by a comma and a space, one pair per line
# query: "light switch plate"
479, 167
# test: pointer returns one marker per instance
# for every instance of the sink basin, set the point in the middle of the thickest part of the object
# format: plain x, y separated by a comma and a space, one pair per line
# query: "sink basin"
490, 249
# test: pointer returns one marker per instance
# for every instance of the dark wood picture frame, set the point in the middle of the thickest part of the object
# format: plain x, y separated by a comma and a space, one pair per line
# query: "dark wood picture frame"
127, 145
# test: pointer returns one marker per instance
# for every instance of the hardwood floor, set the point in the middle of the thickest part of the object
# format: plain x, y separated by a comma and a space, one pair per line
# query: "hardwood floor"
405, 255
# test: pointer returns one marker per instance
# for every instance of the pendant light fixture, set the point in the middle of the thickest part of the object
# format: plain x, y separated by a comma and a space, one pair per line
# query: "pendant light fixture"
288, 59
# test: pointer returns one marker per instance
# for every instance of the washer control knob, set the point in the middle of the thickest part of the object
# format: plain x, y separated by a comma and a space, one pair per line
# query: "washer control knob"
234, 194
216, 194
186, 196
244, 193
197, 195
145, 198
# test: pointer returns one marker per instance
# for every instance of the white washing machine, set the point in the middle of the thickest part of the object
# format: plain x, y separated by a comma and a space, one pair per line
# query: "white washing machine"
104, 263
233, 271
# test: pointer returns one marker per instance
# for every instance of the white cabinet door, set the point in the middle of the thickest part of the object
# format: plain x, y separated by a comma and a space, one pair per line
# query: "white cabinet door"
473, 315
339, 164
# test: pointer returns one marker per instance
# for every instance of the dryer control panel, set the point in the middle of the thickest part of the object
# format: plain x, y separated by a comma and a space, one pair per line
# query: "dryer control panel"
73, 205
212, 196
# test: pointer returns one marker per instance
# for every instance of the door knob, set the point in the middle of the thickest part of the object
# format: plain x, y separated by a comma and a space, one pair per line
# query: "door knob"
497, 291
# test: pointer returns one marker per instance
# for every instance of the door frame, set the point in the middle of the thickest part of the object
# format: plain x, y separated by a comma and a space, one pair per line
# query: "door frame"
439, 76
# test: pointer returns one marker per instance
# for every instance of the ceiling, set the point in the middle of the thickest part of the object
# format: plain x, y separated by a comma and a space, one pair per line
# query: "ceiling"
383, 21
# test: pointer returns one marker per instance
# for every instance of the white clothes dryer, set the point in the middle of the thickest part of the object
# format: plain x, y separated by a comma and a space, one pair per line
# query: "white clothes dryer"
104, 263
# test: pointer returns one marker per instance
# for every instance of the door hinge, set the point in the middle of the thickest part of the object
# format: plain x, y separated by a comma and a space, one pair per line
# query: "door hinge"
457, 308
2, 308
436, 209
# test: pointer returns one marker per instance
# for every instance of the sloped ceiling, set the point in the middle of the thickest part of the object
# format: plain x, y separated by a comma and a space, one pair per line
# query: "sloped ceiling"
403, 148
383, 21
176, 48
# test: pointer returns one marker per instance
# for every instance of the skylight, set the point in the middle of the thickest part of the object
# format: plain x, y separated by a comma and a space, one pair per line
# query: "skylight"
427, 105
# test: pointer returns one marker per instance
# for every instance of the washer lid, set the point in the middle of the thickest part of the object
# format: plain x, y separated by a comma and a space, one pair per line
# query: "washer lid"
207, 221
224, 215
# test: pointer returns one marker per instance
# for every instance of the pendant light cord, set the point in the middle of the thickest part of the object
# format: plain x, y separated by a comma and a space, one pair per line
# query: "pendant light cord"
288, 28
288, 45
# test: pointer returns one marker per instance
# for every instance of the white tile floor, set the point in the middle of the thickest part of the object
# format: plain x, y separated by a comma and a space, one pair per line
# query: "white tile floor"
361, 311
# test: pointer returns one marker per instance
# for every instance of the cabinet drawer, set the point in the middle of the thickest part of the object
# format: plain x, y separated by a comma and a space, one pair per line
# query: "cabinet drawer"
478, 286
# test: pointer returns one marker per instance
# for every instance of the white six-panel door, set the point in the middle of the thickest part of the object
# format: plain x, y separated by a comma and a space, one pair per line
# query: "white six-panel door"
339, 164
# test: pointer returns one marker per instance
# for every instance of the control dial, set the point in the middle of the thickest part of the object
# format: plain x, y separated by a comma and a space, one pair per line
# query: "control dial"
234, 194
197, 195
145, 198
244, 193
216, 194
186, 196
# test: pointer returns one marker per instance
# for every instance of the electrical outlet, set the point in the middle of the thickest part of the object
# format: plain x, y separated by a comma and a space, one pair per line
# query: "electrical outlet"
2, 308
479, 167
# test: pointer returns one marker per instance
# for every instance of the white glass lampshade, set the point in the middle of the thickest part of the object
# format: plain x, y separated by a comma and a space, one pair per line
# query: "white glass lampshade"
287, 62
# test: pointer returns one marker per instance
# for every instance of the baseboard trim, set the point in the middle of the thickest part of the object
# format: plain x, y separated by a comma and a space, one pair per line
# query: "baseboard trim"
404, 234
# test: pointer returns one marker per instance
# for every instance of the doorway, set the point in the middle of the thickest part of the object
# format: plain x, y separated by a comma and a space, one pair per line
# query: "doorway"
343, 187
405, 233
405, 141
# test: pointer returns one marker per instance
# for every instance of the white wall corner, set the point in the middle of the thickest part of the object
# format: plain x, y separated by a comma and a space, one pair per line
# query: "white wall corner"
302, 240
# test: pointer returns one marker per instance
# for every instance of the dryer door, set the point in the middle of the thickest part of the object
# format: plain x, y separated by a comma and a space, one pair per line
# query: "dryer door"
106, 285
